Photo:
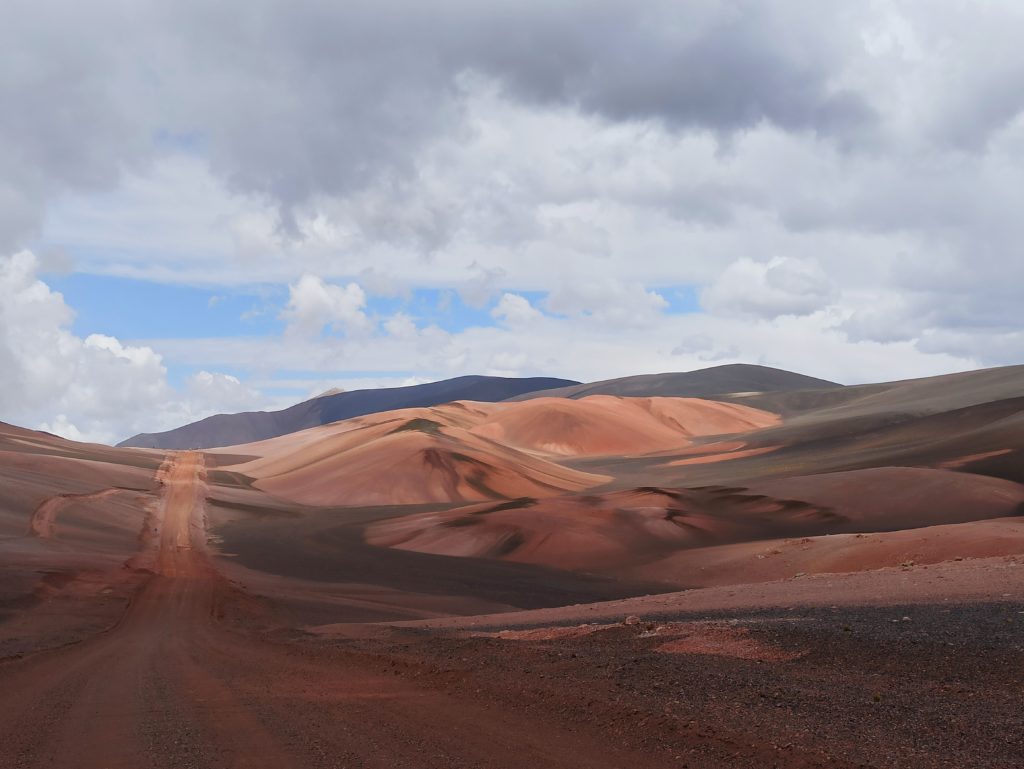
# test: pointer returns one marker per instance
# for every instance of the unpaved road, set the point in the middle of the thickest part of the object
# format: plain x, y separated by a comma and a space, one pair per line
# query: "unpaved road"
172, 686
189, 678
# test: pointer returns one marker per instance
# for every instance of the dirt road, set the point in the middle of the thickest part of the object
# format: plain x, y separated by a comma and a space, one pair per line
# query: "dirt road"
171, 686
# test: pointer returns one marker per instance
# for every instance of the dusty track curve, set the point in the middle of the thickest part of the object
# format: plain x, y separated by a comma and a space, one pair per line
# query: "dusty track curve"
44, 518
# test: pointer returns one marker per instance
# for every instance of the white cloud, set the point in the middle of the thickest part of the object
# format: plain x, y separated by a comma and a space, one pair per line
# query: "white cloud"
63, 427
401, 326
314, 304
515, 310
577, 347
780, 286
607, 302
221, 392
96, 388
548, 200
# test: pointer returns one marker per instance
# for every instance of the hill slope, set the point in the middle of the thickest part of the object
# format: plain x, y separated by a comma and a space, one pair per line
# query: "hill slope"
717, 380
471, 451
247, 427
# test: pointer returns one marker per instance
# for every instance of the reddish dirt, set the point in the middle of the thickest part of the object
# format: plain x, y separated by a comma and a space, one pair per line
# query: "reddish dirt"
671, 535
706, 458
43, 521
389, 464
175, 684
770, 560
197, 673
125, 642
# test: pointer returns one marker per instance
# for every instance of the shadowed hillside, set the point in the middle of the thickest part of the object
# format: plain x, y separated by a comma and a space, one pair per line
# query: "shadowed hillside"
717, 380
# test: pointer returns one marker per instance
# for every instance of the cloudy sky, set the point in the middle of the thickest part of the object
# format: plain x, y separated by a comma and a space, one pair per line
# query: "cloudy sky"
225, 206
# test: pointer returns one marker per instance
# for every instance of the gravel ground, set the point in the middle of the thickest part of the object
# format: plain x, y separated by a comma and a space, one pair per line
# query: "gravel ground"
899, 686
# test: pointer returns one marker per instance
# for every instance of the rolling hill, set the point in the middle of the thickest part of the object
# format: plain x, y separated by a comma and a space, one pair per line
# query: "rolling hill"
469, 451
247, 427
717, 380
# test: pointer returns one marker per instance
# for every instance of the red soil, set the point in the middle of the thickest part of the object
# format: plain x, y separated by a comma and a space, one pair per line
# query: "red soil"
770, 560
169, 686
619, 529
708, 456
886, 498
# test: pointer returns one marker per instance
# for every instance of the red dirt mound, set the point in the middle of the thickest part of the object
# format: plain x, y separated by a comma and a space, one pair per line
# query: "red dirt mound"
597, 532
613, 530
407, 461
603, 425
769, 560
888, 498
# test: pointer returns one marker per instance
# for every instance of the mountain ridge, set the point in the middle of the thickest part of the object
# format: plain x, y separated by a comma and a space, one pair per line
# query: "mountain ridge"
726, 379
246, 427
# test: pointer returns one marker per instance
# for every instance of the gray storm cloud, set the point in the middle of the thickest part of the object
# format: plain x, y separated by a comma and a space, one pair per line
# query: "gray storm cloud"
294, 100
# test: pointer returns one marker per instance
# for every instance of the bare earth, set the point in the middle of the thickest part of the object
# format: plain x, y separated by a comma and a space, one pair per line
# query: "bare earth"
820, 579
189, 677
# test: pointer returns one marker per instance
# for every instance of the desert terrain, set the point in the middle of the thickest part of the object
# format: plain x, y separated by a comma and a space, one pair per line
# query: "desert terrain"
608, 575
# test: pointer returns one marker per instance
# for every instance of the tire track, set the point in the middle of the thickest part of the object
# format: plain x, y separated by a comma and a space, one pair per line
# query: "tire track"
44, 517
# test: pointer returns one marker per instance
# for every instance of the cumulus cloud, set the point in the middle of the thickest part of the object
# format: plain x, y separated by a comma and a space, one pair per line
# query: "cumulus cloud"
314, 305
607, 301
96, 388
401, 326
576, 347
515, 310
220, 392
780, 286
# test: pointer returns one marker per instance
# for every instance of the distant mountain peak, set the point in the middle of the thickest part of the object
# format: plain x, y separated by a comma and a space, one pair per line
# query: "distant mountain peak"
331, 391
726, 379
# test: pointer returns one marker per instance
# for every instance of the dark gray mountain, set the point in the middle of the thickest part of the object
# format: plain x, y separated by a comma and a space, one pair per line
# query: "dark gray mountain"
717, 380
232, 429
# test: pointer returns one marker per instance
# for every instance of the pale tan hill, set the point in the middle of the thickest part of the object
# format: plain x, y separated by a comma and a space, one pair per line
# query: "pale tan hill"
604, 425
467, 451
403, 459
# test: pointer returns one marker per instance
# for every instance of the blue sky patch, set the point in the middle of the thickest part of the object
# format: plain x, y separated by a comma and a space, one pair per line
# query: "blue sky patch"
138, 309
